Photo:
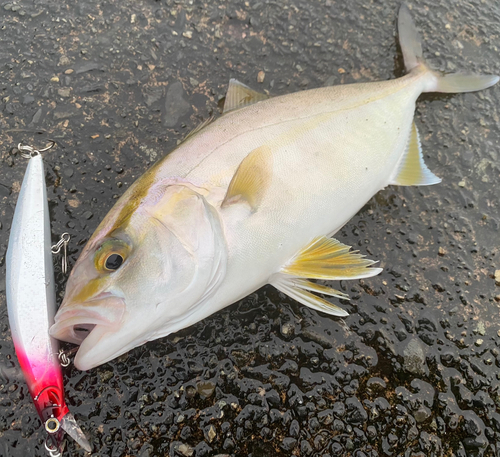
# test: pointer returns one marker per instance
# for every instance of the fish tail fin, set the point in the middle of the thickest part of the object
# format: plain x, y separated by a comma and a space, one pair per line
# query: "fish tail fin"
411, 47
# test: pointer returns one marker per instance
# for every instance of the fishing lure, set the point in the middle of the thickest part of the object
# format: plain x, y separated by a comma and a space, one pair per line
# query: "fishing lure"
31, 305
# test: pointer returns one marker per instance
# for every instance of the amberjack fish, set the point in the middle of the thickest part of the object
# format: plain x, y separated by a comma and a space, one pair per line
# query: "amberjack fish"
31, 304
250, 199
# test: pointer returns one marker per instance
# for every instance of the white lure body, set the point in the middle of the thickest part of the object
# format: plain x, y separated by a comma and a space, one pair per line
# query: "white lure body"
31, 305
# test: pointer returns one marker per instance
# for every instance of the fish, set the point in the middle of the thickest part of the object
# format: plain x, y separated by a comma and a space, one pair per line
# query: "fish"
251, 198
31, 306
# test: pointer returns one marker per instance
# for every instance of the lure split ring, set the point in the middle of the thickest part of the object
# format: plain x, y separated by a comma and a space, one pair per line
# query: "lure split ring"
62, 244
28, 152
52, 425
51, 448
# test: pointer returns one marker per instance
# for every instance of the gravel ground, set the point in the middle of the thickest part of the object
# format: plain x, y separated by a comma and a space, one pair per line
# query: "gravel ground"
413, 371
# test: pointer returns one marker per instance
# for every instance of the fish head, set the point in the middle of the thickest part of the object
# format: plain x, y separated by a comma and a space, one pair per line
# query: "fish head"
136, 280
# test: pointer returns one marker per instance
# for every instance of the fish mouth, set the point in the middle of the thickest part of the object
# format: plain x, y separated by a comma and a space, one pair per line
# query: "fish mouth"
87, 324
76, 328
75, 322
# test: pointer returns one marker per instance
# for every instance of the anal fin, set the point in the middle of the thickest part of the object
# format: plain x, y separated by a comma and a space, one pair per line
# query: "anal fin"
412, 170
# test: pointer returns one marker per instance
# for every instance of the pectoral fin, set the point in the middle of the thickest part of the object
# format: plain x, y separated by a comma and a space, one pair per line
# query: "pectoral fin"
324, 258
238, 96
251, 179
412, 170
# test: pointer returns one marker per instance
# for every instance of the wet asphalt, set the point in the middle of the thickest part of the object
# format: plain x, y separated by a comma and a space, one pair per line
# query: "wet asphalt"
413, 371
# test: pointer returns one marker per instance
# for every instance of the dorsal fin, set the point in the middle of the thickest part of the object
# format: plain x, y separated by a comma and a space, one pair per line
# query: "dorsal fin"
251, 179
239, 95
412, 170
198, 128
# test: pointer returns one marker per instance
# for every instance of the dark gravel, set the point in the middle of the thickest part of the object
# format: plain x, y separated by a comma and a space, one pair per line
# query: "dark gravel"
413, 371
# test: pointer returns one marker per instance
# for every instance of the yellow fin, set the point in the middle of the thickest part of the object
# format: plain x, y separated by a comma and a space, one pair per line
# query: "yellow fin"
327, 258
299, 290
412, 170
239, 95
251, 179
319, 288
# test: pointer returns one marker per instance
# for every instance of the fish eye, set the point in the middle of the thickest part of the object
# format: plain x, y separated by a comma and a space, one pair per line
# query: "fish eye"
111, 255
113, 262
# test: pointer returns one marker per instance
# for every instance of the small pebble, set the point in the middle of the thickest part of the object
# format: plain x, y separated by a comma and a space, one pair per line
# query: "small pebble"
63, 61
205, 388
260, 76
287, 329
211, 433
64, 92
480, 328
186, 450
288, 444
422, 414
68, 172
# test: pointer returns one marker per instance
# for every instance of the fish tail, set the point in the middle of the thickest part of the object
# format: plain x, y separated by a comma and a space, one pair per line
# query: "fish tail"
411, 46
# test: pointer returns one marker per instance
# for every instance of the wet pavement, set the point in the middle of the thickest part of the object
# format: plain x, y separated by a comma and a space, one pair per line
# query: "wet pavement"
413, 371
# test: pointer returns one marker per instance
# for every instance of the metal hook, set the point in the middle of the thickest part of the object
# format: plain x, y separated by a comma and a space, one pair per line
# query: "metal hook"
28, 152
56, 249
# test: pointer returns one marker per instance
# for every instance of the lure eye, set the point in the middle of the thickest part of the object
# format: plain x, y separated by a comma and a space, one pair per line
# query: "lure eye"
113, 262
